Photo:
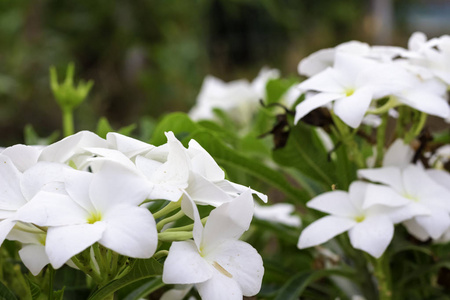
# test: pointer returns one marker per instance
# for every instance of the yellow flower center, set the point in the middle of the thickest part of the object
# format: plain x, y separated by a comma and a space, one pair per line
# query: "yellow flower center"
349, 92
94, 217
359, 219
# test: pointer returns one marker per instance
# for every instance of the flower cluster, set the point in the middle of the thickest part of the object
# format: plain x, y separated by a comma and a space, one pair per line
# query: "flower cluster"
83, 191
356, 77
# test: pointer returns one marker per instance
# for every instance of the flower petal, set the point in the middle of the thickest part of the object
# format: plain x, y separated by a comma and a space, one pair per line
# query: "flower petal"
352, 109
204, 192
228, 221
313, 102
416, 230
372, 235
384, 195
203, 163
5, 227
11, 197
130, 231
323, 230
23, 156
242, 262
219, 287
116, 184
184, 265
66, 241
390, 176
335, 202
34, 258
50, 209
435, 224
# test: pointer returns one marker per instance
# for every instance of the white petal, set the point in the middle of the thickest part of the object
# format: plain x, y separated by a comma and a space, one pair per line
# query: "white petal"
381, 194
242, 262
115, 184
316, 62
43, 176
23, 156
127, 145
190, 209
34, 258
426, 102
357, 193
335, 202
440, 176
50, 209
202, 191
326, 81
77, 185
228, 221
372, 235
5, 228
235, 189
130, 231
103, 154
184, 265
416, 230
11, 197
435, 224
313, 102
66, 148
203, 163
352, 109
390, 176
413, 209
399, 154
323, 230
66, 241
219, 287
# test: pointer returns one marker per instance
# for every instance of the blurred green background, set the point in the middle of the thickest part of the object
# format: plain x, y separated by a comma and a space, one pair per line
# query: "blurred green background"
148, 58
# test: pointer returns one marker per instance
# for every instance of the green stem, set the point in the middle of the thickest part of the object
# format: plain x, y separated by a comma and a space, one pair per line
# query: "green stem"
416, 129
167, 209
348, 140
86, 269
160, 254
68, 127
51, 273
381, 137
172, 218
186, 227
382, 274
174, 236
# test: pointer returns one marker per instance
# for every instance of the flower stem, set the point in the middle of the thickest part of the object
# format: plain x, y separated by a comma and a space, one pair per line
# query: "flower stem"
68, 127
172, 218
167, 209
51, 273
381, 137
382, 274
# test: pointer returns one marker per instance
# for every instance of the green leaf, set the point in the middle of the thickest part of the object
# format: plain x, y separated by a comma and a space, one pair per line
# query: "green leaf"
35, 289
305, 152
141, 269
145, 289
5, 293
295, 287
276, 88
32, 138
58, 295
226, 156
179, 123
103, 127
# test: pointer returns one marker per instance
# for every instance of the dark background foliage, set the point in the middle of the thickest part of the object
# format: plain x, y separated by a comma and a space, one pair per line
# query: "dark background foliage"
150, 57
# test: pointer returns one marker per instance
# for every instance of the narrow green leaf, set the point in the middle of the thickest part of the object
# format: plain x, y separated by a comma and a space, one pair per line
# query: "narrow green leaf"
58, 295
103, 127
145, 289
305, 152
5, 293
295, 287
35, 289
141, 269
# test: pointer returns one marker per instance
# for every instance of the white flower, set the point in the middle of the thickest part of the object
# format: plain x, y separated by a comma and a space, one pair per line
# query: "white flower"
239, 98
369, 225
352, 84
101, 207
278, 213
427, 213
17, 188
220, 266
